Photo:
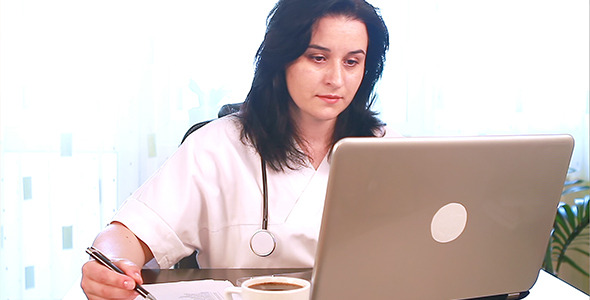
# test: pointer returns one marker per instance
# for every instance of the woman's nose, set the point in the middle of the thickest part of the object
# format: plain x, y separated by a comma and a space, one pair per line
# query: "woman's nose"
335, 75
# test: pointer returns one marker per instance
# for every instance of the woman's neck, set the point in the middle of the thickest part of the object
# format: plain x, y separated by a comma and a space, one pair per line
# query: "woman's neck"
316, 139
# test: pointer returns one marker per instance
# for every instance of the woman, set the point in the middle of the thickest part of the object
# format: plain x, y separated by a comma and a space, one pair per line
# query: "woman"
315, 74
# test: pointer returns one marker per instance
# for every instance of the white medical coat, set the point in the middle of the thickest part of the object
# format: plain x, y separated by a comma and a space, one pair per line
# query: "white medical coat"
208, 196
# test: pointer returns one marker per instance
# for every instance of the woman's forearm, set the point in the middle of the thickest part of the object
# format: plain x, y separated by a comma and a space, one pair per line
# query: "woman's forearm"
117, 241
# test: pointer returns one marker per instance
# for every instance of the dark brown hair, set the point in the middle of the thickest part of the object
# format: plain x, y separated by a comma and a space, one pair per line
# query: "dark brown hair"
265, 114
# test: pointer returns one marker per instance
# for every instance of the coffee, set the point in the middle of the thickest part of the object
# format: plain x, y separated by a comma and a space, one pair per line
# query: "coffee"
271, 287
275, 286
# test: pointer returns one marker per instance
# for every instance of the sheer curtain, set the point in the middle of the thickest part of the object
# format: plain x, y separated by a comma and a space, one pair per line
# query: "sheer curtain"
95, 95
462, 67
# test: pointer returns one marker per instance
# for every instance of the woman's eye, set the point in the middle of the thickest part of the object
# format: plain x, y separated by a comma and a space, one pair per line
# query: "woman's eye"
351, 62
317, 58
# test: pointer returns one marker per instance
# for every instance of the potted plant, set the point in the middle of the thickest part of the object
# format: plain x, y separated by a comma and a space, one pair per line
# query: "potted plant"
569, 243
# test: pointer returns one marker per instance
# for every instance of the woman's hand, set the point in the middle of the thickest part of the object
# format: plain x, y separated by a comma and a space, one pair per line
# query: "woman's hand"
99, 282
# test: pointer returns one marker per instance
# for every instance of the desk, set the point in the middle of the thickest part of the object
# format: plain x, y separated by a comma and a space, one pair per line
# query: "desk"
546, 287
172, 275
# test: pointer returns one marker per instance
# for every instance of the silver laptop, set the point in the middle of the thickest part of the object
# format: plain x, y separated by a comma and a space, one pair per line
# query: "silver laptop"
438, 218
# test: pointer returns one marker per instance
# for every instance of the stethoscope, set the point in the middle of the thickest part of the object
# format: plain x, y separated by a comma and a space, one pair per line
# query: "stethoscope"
263, 242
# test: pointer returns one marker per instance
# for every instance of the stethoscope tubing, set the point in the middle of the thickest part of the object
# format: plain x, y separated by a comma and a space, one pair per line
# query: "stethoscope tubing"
263, 242
264, 196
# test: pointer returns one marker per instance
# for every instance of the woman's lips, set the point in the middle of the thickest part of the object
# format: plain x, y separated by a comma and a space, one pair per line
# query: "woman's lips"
329, 98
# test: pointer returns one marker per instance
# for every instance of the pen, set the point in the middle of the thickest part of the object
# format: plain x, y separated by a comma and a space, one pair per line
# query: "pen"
96, 254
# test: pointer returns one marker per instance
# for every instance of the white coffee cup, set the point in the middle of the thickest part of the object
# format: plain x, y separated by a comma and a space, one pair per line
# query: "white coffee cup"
271, 288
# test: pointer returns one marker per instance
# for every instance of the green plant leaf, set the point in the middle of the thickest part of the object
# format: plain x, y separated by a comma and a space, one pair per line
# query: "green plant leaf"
560, 220
559, 237
548, 261
574, 265
580, 250
575, 189
580, 240
569, 232
570, 217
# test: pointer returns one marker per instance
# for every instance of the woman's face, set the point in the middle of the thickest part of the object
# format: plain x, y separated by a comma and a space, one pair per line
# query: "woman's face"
324, 80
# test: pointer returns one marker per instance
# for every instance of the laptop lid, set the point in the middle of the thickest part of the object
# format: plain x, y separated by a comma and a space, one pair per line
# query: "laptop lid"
438, 218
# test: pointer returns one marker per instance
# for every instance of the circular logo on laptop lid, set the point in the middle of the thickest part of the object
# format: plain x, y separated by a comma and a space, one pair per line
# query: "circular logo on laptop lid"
448, 222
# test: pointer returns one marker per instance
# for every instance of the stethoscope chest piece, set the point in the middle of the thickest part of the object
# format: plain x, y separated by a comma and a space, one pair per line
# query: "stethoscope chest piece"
263, 243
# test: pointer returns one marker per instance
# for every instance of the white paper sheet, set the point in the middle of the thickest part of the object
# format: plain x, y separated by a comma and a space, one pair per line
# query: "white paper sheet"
188, 290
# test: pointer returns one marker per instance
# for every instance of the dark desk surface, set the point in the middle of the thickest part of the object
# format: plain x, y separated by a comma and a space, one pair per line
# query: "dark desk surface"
546, 287
160, 276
